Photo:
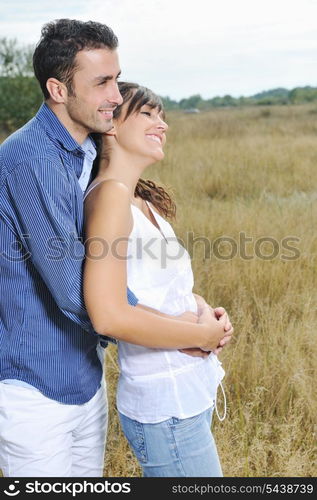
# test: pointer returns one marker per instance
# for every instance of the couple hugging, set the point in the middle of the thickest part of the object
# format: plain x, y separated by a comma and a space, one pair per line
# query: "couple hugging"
71, 187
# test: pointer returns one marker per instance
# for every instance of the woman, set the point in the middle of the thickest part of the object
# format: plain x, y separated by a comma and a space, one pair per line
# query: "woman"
165, 397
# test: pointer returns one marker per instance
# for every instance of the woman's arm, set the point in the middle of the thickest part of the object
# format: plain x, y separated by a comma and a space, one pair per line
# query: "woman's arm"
190, 316
108, 225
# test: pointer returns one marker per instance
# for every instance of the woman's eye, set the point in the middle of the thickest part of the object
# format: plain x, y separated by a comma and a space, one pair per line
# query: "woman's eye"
146, 113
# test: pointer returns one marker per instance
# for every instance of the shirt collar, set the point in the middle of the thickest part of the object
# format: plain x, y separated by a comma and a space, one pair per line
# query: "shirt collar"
89, 149
55, 129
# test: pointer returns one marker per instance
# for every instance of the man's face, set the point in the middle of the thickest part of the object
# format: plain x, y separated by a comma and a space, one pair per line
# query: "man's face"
96, 93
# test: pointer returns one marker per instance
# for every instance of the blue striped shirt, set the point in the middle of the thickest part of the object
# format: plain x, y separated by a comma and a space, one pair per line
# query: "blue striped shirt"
46, 337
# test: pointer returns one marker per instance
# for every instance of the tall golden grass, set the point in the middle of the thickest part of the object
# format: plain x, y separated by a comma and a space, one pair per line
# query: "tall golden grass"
250, 171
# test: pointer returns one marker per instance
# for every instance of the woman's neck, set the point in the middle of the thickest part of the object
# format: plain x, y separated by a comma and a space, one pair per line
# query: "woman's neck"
122, 168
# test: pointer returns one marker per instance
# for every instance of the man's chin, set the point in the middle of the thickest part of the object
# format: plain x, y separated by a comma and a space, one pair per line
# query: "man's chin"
110, 125
103, 128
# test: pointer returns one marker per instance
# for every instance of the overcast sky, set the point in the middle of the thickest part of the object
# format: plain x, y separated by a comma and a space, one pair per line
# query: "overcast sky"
180, 48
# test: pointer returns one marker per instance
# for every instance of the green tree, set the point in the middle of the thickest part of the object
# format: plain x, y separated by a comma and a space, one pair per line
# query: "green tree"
169, 103
15, 60
303, 94
20, 94
193, 101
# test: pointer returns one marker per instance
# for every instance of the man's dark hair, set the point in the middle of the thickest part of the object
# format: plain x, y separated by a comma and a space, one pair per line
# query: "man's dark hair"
61, 40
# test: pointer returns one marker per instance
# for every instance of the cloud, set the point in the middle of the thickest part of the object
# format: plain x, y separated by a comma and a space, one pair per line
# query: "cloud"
182, 47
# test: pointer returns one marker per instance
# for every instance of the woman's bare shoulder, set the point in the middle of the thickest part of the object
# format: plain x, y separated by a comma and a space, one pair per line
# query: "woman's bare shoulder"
106, 188
110, 199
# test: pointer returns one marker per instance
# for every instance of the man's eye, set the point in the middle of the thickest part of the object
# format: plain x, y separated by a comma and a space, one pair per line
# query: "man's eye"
146, 113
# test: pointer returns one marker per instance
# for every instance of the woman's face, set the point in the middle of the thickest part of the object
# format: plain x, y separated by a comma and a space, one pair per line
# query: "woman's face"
142, 133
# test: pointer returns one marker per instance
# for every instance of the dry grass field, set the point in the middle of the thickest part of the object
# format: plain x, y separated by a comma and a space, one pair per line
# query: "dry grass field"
249, 173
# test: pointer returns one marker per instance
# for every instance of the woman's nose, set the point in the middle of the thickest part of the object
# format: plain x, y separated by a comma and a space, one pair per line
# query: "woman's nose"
162, 125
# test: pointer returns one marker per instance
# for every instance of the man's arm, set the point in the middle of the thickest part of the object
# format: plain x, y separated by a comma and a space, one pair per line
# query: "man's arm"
36, 199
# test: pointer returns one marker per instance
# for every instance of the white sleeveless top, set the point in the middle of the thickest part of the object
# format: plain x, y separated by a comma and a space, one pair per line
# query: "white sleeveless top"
156, 384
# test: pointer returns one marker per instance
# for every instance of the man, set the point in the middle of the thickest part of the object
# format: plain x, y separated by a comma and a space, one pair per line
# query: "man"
53, 416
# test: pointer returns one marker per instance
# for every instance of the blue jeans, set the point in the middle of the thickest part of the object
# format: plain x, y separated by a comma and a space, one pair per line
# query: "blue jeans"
175, 447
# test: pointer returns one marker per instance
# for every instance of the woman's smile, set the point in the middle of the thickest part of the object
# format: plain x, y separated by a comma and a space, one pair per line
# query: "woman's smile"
155, 137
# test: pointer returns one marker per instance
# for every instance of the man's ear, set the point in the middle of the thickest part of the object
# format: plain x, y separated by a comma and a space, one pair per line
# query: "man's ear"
57, 90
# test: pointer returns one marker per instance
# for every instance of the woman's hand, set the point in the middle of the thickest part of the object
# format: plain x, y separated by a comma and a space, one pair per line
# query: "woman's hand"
201, 303
188, 316
192, 351
220, 311
214, 331
214, 328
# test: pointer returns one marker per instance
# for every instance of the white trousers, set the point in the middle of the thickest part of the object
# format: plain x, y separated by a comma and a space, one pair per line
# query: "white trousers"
40, 437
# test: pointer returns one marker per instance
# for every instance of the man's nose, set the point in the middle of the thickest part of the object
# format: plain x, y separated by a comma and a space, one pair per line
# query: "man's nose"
116, 97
